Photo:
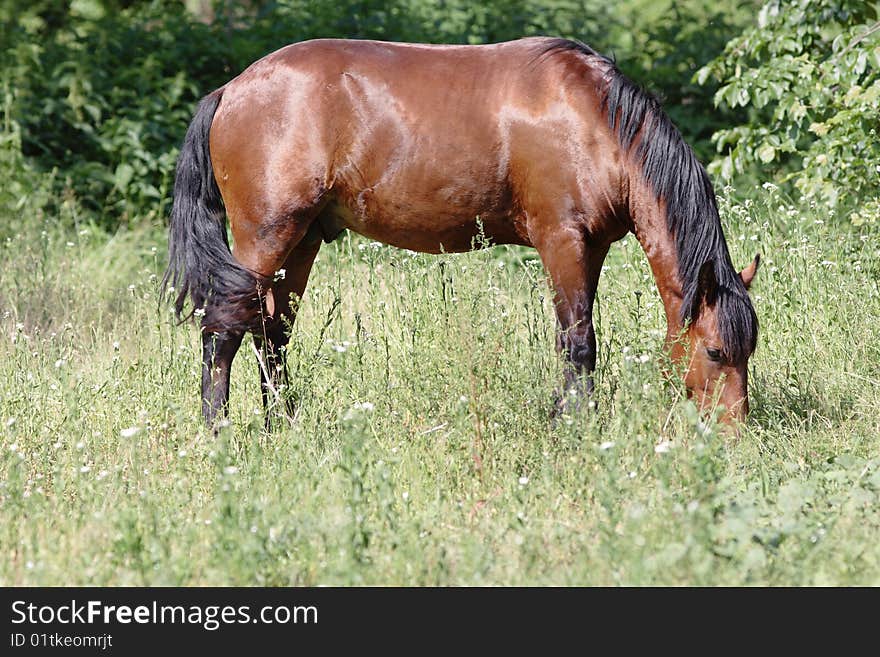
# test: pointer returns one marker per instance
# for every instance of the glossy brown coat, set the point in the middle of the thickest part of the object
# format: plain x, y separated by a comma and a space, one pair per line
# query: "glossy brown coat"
422, 147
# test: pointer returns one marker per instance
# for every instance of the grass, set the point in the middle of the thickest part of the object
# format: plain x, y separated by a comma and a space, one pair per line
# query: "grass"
422, 451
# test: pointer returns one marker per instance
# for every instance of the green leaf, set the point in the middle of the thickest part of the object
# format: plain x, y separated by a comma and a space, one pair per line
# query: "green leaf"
90, 9
766, 153
702, 75
123, 176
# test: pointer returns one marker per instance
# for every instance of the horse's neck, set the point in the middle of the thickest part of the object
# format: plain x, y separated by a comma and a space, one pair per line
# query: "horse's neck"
648, 216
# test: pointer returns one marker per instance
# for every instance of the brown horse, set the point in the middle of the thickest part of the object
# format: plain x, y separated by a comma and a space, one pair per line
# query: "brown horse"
543, 139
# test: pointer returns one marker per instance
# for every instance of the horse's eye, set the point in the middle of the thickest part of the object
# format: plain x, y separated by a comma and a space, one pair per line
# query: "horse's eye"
714, 354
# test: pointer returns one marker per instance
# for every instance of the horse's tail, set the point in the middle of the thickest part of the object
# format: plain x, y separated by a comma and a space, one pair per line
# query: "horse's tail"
200, 264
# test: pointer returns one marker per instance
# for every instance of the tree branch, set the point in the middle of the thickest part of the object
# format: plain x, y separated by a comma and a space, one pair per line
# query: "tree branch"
858, 39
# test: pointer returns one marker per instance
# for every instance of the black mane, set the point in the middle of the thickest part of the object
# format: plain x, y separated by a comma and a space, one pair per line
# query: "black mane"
676, 176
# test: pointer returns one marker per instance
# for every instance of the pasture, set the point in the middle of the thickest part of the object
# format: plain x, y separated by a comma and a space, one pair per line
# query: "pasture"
422, 451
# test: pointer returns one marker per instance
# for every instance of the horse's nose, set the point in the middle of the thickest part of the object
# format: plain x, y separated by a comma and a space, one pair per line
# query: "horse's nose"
737, 411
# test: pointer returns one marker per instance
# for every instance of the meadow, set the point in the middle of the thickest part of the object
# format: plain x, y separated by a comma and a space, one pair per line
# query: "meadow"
422, 451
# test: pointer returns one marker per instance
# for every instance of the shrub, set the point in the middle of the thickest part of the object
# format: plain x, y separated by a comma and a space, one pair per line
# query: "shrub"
809, 72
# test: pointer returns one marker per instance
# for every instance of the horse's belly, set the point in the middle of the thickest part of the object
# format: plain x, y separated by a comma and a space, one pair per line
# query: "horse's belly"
424, 224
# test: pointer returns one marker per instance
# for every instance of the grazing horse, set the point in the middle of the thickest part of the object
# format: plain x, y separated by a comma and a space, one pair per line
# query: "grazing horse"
543, 139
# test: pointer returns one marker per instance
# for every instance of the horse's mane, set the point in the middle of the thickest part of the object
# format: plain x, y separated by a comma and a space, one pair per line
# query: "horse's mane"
669, 165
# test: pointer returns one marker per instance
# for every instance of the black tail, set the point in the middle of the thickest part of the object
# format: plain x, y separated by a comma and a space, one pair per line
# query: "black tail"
200, 265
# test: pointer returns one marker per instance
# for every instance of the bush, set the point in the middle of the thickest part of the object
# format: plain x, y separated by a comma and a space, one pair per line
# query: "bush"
106, 99
809, 72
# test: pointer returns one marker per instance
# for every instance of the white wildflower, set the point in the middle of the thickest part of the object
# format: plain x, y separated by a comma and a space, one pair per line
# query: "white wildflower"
663, 447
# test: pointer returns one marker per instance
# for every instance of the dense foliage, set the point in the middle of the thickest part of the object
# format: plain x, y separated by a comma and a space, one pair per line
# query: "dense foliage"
810, 70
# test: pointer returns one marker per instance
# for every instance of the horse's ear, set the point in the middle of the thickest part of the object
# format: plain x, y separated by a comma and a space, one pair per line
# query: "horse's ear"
707, 286
748, 274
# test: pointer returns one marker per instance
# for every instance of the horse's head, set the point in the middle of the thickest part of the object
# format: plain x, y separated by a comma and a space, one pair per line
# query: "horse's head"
714, 347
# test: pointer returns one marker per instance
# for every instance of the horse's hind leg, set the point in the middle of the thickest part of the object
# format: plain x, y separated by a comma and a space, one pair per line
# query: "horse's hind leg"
271, 161
262, 250
266, 244
218, 351
574, 267
284, 297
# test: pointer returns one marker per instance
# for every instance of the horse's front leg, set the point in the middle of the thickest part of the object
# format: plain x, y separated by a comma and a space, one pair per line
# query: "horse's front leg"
574, 267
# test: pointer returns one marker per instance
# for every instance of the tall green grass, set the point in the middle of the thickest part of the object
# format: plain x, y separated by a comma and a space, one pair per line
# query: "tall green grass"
422, 450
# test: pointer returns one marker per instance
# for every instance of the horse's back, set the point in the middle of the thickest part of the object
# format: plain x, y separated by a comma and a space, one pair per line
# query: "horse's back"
407, 139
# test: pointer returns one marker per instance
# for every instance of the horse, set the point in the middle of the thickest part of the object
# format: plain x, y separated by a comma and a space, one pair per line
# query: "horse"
542, 139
